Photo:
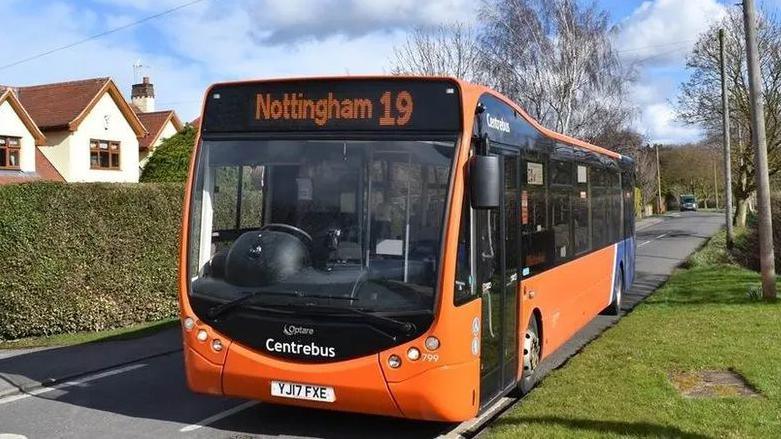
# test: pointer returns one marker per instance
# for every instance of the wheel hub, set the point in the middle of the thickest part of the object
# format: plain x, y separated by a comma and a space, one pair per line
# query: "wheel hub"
531, 351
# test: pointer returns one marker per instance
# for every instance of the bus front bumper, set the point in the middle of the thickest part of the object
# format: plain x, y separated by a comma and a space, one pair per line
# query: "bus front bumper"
443, 393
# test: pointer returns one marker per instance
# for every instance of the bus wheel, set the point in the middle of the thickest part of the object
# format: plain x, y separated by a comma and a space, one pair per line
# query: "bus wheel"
532, 350
614, 308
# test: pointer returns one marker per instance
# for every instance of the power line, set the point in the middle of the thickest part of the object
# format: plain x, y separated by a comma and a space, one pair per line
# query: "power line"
101, 34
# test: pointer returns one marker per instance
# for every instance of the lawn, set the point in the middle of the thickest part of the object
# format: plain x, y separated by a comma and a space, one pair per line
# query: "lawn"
619, 385
127, 333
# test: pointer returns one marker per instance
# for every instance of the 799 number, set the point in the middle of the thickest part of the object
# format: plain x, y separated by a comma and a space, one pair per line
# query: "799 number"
403, 109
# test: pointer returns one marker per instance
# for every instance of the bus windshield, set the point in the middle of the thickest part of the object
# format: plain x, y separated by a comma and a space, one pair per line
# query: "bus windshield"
319, 222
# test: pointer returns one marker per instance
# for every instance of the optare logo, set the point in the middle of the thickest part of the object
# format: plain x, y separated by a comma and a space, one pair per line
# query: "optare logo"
297, 330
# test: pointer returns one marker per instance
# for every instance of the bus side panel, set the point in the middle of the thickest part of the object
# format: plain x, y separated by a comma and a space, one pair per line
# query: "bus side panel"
568, 296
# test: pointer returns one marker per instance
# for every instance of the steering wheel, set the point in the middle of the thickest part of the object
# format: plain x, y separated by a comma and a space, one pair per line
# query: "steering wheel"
287, 228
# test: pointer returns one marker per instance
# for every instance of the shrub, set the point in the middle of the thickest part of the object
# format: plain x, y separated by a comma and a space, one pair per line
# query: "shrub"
85, 257
171, 160
747, 247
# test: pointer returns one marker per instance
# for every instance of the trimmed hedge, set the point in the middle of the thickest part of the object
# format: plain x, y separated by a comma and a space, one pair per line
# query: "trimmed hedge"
87, 257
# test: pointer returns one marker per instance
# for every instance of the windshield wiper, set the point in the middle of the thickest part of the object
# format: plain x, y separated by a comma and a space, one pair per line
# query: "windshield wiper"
218, 310
405, 328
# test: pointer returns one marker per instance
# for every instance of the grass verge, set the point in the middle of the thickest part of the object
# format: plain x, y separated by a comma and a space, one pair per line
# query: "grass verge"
619, 386
127, 333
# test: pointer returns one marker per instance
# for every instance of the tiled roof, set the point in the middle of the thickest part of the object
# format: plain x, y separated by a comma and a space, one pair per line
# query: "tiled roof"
64, 105
154, 123
55, 106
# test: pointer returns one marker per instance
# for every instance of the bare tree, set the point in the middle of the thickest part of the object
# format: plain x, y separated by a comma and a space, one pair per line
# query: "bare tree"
699, 102
556, 58
445, 50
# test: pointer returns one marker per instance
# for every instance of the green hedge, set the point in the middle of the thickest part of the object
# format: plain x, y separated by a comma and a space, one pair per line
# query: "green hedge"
86, 257
171, 160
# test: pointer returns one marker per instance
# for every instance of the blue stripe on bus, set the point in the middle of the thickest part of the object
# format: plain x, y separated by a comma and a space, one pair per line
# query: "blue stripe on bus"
625, 256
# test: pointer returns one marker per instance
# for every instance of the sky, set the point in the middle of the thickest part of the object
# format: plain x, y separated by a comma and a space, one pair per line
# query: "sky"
207, 41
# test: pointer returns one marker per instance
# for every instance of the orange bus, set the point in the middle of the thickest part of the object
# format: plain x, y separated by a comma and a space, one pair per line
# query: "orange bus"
399, 246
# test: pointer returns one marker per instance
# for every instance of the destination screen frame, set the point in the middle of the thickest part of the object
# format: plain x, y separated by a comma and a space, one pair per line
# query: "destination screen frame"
367, 105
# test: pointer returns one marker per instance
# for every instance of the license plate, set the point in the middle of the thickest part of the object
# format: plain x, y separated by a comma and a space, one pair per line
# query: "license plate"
310, 392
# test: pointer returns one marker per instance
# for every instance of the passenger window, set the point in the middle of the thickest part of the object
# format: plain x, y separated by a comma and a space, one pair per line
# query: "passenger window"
580, 211
537, 237
562, 172
600, 208
614, 202
560, 220
560, 190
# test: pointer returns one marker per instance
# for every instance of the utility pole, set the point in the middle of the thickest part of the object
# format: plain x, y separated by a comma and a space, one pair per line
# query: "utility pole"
658, 180
766, 254
725, 134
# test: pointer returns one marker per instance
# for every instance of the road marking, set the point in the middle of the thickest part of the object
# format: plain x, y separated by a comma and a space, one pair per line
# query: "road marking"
651, 240
67, 384
221, 415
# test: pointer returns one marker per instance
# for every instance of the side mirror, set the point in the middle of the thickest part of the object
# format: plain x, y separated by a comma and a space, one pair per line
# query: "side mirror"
484, 182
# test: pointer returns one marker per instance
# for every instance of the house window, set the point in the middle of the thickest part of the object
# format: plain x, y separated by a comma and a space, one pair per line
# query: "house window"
10, 148
103, 154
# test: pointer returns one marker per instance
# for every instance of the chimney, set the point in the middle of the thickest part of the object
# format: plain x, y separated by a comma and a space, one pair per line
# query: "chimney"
143, 96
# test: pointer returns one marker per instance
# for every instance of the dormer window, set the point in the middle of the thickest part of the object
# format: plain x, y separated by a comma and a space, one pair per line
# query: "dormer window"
103, 154
10, 149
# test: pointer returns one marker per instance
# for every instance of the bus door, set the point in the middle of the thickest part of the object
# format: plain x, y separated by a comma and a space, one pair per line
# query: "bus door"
498, 256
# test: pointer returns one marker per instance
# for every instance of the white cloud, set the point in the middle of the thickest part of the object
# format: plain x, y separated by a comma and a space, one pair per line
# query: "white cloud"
211, 41
664, 31
657, 119
656, 37
657, 122
286, 21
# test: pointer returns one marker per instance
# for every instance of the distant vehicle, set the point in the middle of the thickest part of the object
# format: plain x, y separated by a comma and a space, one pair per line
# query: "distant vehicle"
411, 247
688, 202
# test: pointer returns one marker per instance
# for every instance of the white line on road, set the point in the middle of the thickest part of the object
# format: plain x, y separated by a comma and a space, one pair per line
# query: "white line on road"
651, 240
221, 415
67, 384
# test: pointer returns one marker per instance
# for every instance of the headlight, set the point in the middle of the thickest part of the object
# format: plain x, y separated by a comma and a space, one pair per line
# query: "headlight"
394, 361
432, 343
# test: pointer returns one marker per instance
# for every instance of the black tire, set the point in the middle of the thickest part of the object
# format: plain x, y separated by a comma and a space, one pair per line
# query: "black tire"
532, 351
614, 308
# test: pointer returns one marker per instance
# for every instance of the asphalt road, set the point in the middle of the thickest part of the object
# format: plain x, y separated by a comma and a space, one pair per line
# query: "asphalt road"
149, 398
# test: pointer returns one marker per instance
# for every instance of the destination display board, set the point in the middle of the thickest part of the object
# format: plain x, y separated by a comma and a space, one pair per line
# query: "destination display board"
333, 105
